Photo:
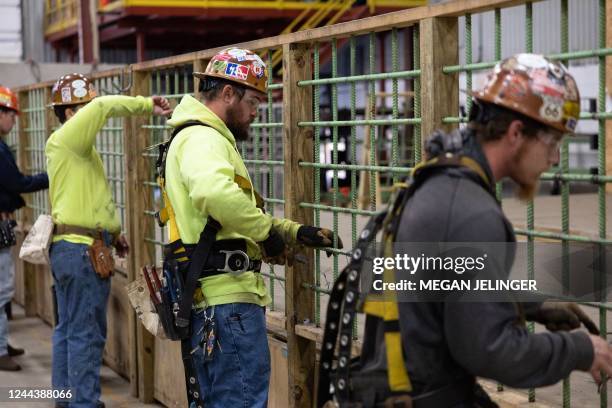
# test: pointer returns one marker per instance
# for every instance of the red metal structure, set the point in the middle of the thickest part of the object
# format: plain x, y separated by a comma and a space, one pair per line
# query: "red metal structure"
176, 26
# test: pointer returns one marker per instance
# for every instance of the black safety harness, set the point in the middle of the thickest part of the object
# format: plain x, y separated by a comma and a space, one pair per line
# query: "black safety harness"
339, 379
185, 264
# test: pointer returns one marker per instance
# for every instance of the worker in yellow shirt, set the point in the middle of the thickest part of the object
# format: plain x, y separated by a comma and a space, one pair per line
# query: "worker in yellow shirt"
217, 220
87, 226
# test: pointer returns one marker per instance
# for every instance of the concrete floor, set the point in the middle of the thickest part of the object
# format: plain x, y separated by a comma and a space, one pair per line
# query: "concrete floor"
34, 336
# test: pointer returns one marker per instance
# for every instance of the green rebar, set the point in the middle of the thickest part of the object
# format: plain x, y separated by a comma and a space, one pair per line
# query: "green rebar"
497, 46
371, 109
530, 206
601, 138
415, 73
270, 207
256, 154
375, 122
331, 208
353, 141
358, 167
565, 211
497, 55
317, 178
395, 103
468, 60
335, 186
353, 154
416, 100
573, 55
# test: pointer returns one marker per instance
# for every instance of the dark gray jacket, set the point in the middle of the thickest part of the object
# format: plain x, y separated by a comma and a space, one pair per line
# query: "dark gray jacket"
450, 341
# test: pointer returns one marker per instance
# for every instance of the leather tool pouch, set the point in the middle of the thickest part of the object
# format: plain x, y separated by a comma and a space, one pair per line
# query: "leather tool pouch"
102, 259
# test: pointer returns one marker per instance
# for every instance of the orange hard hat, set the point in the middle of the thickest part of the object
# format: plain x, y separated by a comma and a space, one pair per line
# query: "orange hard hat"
536, 87
72, 89
238, 65
8, 99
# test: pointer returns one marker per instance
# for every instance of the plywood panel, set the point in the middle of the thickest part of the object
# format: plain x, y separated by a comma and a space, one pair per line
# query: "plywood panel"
117, 351
279, 388
169, 381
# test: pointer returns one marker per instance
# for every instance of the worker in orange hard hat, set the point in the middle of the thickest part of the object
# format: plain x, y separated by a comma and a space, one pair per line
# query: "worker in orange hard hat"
427, 350
12, 184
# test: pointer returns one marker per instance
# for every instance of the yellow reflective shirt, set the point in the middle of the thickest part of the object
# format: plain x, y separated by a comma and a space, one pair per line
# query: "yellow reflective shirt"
201, 167
78, 188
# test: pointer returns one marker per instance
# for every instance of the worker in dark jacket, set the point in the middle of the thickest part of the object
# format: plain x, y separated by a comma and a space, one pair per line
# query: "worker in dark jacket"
12, 184
515, 130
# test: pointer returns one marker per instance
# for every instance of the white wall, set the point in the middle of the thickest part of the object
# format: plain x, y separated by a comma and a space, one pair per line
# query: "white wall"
10, 31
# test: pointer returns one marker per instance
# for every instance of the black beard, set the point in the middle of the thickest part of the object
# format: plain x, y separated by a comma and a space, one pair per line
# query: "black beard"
240, 132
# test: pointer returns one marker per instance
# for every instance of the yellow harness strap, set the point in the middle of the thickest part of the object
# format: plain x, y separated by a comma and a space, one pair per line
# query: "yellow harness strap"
167, 215
245, 184
385, 307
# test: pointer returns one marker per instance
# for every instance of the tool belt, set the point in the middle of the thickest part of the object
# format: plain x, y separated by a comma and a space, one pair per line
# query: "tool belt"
7, 235
226, 256
100, 251
101, 234
371, 390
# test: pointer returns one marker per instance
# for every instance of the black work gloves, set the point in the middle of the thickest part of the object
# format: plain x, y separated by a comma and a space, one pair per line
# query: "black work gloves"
273, 248
315, 237
562, 316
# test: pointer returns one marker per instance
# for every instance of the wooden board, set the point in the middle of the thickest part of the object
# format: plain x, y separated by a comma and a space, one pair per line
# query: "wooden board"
43, 281
137, 171
298, 143
440, 92
279, 391
19, 296
117, 354
169, 374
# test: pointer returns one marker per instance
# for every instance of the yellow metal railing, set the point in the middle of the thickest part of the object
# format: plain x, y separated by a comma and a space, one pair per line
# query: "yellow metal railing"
324, 9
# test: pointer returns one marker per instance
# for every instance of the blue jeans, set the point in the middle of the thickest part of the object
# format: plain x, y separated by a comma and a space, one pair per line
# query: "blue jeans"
80, 335
239, 373
7, 290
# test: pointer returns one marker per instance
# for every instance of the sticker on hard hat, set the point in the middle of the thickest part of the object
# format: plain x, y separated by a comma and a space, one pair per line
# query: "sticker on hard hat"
237, 71
571, 91
571, 124
551, 109
543, 86
223, 57
236, 52
258, 69
5, 100
571, 109
219, 66
255, 57
532, 61
79, 83
66, 97
80, 92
